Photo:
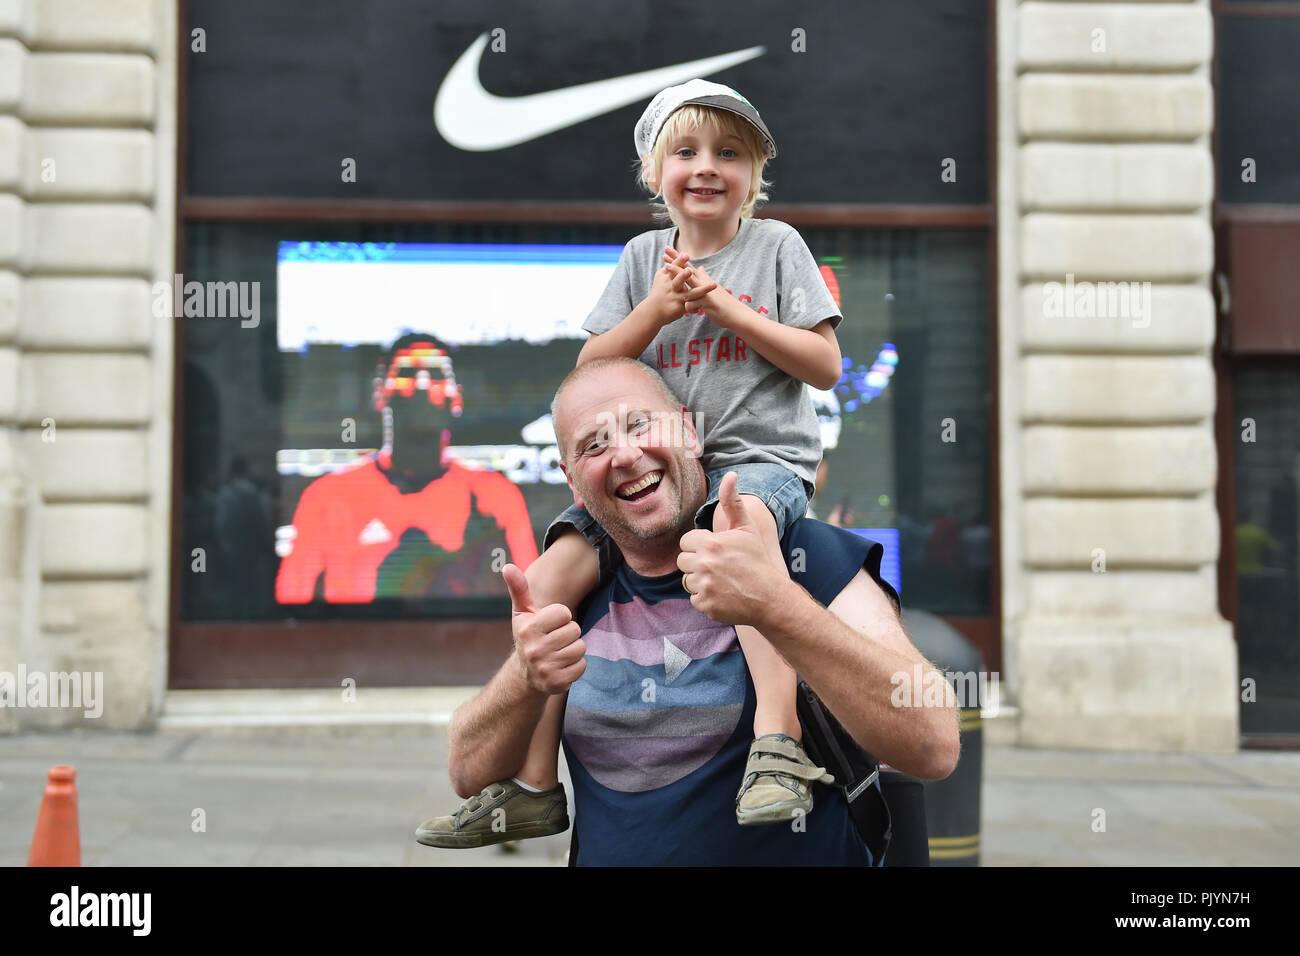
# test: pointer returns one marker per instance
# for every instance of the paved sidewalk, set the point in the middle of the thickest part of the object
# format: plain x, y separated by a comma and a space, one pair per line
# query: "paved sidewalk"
282, 798
353, 798
1240, 809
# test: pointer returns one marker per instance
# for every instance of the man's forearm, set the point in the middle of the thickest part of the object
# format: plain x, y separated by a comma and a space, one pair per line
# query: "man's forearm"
489, 734
854, 675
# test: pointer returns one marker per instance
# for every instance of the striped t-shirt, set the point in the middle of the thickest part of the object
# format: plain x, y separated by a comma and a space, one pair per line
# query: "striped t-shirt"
657, 730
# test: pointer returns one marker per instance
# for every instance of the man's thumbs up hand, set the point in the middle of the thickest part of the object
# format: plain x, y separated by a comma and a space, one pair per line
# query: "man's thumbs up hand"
729, 574
732, 507
520, 600
548, 641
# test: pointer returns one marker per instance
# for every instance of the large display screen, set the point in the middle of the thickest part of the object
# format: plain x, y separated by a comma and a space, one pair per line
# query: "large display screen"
417, 455
379, 446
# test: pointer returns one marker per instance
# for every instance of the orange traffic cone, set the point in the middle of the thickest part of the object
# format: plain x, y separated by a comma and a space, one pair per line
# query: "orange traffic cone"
57, 841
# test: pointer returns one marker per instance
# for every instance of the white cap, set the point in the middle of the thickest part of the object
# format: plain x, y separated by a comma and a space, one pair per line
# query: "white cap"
702, 93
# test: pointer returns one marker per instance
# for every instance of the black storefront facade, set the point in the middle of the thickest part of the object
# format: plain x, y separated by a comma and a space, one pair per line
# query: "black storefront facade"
317, 124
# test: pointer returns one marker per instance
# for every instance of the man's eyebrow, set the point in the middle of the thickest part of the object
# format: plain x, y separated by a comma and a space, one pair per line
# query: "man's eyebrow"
590, 433
586, 436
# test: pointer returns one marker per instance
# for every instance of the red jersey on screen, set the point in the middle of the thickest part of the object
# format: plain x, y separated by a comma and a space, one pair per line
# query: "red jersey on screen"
372, 541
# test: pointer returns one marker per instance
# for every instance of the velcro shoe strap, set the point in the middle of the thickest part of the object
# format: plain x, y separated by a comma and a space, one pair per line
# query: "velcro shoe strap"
791, 768
786, 748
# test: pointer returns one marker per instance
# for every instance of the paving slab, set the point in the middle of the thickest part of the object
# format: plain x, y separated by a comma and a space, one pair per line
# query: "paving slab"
1168, 806
1090, 765
1262, 768
1279, 808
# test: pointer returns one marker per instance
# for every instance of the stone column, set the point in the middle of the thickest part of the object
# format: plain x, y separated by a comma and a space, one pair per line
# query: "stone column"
1113, 631
13, 512
92, 227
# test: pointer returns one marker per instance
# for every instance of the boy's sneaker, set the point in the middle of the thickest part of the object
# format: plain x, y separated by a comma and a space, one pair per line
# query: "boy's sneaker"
777, 783
504, 811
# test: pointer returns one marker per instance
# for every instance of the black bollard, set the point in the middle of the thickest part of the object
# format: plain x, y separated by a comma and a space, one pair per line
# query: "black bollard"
952, 805
906, 799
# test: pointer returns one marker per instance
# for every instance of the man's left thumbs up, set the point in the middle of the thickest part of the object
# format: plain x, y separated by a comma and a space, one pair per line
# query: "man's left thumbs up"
732, 507
728, 573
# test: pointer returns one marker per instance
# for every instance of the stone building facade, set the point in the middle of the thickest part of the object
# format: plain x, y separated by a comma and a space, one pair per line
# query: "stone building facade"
1112, 636
1106, 175
87, 211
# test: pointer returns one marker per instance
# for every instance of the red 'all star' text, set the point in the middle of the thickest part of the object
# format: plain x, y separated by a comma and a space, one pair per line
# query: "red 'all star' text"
723, 348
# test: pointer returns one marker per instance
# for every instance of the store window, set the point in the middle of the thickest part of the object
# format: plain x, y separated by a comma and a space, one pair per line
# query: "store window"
309, 433
1257, 222
272, 409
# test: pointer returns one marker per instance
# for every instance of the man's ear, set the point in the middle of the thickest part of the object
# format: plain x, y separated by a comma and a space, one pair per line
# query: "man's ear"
689, 434
577, 498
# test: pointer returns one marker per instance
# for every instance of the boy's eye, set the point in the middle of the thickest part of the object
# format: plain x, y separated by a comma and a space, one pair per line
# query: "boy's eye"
729, 153
684, 150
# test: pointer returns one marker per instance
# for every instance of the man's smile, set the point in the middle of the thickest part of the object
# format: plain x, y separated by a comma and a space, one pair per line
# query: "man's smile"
640, 488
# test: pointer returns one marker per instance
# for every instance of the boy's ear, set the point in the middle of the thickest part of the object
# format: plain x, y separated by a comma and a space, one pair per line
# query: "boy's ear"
647, 169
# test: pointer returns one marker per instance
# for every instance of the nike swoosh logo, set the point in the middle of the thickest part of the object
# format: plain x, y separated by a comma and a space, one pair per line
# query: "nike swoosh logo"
470, 118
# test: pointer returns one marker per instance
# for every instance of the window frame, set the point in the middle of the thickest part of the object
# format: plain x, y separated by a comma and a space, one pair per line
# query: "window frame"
456, 651
1235, 223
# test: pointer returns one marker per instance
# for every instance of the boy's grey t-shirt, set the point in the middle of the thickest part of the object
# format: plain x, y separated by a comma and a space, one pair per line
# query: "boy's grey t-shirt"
745, 408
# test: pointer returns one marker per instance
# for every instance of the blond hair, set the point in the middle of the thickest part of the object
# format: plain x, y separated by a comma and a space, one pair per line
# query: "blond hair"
692, 117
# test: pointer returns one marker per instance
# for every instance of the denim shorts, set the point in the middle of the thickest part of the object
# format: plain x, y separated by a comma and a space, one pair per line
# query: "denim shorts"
785, 494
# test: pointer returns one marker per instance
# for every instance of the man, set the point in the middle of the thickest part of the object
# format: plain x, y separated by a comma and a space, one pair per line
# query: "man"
659, 700
407, 521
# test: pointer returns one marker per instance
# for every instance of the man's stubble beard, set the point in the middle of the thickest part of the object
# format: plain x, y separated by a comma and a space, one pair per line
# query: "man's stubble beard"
688, 482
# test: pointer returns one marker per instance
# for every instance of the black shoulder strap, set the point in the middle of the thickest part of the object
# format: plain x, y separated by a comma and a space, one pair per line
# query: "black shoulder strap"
856, 772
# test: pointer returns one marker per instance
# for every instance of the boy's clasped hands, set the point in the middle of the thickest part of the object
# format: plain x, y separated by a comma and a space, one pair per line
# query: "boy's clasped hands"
684, 288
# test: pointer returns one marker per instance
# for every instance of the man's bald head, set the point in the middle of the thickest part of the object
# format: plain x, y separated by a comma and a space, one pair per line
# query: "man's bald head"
631, 456
618, 365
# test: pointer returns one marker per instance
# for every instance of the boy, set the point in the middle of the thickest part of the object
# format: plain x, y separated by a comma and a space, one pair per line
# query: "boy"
738, 357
